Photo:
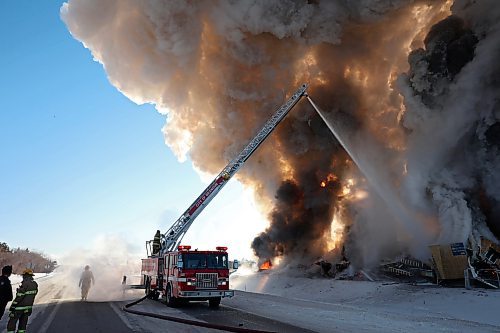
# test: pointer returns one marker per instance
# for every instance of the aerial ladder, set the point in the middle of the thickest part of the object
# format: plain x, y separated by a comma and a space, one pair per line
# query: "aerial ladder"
171, 239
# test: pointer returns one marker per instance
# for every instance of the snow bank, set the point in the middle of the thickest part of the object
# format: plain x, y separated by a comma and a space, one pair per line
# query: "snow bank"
369, 306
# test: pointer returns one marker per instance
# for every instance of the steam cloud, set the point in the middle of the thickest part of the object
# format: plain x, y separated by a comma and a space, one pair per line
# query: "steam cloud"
110, 258
218, 69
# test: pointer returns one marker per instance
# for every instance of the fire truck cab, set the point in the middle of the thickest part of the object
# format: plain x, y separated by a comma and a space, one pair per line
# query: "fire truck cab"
185, 275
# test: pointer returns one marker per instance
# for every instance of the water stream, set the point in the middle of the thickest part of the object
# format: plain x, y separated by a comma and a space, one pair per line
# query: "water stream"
370, 163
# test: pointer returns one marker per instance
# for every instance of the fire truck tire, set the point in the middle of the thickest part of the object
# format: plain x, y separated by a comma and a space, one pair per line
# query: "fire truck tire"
170, 299
214, 303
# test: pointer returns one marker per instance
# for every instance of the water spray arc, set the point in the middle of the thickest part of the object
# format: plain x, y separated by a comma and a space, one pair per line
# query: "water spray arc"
381, 183
330, 127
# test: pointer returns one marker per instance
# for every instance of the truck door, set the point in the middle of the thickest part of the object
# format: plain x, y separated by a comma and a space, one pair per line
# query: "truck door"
168, 269
175, 274
160, 273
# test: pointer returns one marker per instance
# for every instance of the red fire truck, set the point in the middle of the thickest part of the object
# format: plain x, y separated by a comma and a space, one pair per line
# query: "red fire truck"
174, 271
190, 275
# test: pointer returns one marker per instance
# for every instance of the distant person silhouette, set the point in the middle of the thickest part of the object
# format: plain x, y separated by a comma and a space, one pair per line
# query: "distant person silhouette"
124, 284
85, 280
5, 288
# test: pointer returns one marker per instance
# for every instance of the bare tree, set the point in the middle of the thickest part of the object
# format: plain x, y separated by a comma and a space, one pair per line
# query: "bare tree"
25, 258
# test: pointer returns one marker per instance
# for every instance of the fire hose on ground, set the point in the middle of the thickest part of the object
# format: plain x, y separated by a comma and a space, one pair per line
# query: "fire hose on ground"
187, 321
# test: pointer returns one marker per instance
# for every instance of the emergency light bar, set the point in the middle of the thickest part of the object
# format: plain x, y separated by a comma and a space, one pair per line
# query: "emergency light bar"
184, 247
221, 248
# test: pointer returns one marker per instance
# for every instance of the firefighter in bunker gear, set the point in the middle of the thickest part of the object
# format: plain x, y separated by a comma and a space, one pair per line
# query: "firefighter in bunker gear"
156, 243
23, 303
5, 288
85, 280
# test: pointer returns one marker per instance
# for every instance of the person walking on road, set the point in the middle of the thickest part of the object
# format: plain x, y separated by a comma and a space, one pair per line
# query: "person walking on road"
85, 280
22, 305
5, 289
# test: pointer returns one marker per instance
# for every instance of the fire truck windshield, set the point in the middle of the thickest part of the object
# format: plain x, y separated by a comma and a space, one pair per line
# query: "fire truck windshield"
203, 260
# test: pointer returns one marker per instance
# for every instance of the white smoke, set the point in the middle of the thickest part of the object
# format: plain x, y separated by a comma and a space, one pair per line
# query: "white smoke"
110, 257
218, 69
447, 154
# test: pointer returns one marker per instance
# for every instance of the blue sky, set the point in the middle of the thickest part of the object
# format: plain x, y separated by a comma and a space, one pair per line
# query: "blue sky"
78, 159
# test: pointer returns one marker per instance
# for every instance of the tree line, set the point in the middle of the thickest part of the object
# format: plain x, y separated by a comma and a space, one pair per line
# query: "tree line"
21, 259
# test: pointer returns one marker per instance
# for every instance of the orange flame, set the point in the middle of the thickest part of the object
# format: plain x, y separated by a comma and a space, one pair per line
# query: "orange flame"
266, 265
330, 178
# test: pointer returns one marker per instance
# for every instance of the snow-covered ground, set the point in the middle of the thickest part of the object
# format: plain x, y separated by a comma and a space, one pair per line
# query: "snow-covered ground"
316, 303
326, 305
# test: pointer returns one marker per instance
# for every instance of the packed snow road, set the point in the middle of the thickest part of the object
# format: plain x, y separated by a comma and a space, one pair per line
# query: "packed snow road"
59, 309
81, 317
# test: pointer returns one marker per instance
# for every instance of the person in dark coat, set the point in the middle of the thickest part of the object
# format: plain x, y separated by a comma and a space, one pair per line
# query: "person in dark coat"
5, 289
22, 305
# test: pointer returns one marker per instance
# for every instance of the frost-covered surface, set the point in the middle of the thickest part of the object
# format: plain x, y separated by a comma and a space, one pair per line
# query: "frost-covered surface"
327, 305
318, 304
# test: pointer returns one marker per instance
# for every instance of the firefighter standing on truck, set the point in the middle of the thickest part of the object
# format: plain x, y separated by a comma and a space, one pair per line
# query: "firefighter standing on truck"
22, 305
156, 243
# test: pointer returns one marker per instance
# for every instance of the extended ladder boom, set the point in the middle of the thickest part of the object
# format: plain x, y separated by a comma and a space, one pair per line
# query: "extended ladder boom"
174, 235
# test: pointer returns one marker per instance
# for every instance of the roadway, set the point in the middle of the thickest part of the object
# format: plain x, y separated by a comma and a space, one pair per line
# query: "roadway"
79, 317
57, 309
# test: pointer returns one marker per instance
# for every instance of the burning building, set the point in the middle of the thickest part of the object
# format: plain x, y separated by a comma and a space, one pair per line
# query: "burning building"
411, 87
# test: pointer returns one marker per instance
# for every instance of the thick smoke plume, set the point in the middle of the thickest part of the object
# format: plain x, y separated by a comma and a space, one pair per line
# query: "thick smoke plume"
411, 85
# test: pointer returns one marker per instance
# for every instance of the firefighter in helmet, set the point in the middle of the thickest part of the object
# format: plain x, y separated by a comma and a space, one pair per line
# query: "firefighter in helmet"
156, 243
22, 305
86, 278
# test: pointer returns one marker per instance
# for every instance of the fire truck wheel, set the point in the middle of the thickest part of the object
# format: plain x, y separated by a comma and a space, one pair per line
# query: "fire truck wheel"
170, 299
214, 303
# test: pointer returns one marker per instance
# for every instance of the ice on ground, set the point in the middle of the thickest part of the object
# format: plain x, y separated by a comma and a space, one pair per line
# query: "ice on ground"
322, 304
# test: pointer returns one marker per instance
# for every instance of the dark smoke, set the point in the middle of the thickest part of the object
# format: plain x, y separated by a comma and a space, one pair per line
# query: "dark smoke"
453, 114
449, 46
301, 219
302, 214
428, 121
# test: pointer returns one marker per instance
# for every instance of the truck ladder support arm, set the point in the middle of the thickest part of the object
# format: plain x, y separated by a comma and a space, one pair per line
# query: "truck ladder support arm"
174, 235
